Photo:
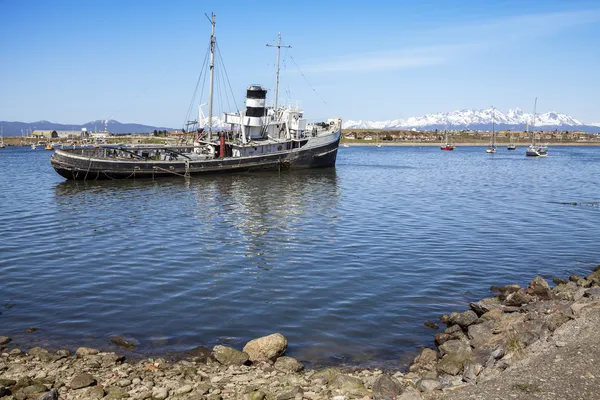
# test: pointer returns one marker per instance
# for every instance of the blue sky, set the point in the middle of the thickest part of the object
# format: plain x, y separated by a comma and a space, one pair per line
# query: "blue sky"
138, 61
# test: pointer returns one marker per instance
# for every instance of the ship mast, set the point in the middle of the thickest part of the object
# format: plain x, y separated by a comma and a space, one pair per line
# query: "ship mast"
533, 122
212, 70
279, 46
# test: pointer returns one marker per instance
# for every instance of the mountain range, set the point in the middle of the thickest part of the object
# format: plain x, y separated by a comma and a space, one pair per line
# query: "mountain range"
514, 119
22, 128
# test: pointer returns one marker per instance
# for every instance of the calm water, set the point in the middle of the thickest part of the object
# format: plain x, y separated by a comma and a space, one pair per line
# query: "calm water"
346, 263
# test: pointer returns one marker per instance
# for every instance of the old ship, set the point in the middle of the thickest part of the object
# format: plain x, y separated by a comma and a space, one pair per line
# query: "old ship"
260, 138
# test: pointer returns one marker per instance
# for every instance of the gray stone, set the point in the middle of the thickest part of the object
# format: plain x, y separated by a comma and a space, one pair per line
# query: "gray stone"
559, 281
325, 376
410, 393
296, 390
85, 351
201, 354
256, 395
160, 393
63, 353
51, 395
456, 353
95, 392
593, 293
517, 299
349, 385
288, 364
540, 288
471, 372
4, 340
184, 389
464, 319
82, 380
7, 382
386, 387
229, 356
428, 385
425, 361
481, 334
485, 305
266, 348
32, 391
124, 342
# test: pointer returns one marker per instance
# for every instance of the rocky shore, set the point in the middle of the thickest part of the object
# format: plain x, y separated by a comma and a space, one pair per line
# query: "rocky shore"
481, 349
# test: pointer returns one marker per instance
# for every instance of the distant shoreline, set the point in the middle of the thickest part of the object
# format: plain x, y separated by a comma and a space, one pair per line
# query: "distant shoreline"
431, 144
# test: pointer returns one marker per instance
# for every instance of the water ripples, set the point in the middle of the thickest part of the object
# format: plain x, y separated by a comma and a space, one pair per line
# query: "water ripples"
347, 263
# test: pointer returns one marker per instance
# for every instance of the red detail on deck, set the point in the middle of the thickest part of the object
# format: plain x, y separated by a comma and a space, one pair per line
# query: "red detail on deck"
447, 147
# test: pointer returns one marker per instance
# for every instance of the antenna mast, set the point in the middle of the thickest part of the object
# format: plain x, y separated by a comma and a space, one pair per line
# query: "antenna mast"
279, 46
212, 69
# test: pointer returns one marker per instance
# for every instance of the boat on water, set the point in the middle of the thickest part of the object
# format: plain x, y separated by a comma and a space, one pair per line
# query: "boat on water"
345, 145
535, 150
260, 138
446, 145
49, 146
33, 146
2, 145
511, 145
491, 149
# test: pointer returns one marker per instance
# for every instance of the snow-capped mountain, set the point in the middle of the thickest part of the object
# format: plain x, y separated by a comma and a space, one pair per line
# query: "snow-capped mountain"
476, 119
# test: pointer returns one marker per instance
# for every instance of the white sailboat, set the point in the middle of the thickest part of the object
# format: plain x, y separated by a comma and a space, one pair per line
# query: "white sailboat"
535, 150
491, 149
511, 145
2, 145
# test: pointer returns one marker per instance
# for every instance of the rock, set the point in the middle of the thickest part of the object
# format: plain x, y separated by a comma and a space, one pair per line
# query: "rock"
560, 281
574, 278
124, 382
85, 351
386, 387
431, 325
31, 330
40, 353
123, 342
540, 288
485, 305
229, 356
464, 319
325, 376
456, 353
349, 385
288, 364
256, 395
82, 380
95, 392
593, 293
428, 385
425, 361
505, 290
290, 395
63, 353
584, 283
160, 393
4, 340
201, 354
51, 395
4, 391
7, 382
481, 334
517, 299
266, 348
184, 389
410, 393
32, 391
471, 372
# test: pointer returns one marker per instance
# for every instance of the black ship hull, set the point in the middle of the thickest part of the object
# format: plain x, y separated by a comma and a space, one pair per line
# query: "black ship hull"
89, 164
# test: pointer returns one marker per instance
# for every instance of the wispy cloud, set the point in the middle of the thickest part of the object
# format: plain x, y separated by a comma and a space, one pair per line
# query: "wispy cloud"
454, 42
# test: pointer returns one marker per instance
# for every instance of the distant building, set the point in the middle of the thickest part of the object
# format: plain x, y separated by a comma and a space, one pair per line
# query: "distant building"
176, 133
